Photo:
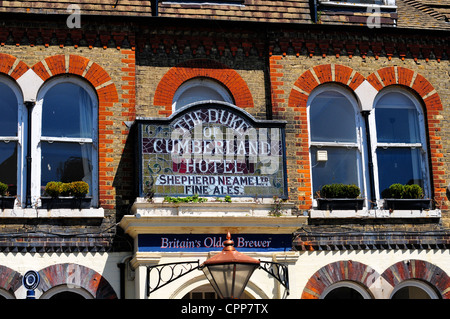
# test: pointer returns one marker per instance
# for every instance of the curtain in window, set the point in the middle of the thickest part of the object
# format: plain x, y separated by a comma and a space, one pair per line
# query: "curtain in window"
8, 137
67, 135
333, 129
400, 147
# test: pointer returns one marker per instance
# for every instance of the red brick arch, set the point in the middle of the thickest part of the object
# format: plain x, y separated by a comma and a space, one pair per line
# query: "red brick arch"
298, 97
421, 270
201, 68
78, 276
344, 270
107, 97
10, 280
412, 80
12, 66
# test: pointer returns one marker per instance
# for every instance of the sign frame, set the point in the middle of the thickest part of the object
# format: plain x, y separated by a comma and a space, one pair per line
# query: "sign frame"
140, 122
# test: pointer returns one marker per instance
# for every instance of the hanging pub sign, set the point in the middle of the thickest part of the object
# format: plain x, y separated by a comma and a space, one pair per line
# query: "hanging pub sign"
211, 149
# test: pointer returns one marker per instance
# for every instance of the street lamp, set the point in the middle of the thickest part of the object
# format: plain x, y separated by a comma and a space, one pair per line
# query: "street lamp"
229, 271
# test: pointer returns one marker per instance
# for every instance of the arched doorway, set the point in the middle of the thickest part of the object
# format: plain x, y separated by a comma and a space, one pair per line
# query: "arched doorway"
207, 292
345, 290
414, 289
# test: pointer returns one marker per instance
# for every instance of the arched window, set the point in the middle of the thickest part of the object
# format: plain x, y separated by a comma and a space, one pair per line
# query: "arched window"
400, 141
11, 107
200, 89
335, 138
65, 135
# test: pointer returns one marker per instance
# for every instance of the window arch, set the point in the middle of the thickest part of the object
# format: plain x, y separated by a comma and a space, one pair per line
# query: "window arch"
399, 146
64, 139
414, 289
11, 132
200, 89
336, 142
345, 290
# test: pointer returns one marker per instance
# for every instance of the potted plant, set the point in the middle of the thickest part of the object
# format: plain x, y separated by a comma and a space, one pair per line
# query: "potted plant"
340, 196
399, 196
6, 201
66, 195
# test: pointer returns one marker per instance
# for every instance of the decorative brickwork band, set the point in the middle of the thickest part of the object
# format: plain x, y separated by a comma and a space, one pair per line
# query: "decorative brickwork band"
77, 276
421, 270
201, 68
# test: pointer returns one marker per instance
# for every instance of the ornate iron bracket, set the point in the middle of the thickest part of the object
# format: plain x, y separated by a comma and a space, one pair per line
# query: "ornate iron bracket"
278, 271
166, 273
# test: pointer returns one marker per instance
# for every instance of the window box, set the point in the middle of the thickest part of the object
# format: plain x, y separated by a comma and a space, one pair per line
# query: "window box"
66, 202
7, 202
340, 203
407, 204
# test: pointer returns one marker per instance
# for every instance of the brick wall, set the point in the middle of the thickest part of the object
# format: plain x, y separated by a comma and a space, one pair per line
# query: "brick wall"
111, 72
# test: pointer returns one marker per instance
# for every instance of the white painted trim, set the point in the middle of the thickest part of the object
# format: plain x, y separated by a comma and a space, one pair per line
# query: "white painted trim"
20, 138
417, 284
201, 82
30, 84
346, 284
37, 138
422, 145
366, 94
360, 136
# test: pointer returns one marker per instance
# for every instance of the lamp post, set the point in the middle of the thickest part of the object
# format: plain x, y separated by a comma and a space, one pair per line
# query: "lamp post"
229, 271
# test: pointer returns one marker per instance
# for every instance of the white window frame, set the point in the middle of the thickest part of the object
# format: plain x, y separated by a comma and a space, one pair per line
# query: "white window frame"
360, 143
422, 145
201, 82
387, 4
417, 284
20, 139
37, 138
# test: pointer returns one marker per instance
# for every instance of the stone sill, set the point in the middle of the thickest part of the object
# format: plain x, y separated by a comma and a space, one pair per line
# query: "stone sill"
375, 213
238, 207
52, 213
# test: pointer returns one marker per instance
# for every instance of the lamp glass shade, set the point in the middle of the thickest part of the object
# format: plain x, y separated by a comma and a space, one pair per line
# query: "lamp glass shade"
229, 271
229, 280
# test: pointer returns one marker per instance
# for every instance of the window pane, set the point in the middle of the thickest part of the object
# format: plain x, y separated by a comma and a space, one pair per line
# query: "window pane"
197, 93
9, 111
332, 118
341, 167
399, 165
66, 162
8, 166
67, 112
397, 119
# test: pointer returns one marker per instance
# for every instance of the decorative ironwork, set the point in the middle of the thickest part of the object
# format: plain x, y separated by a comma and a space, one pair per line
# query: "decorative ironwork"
166, 273
159, 276
278, 271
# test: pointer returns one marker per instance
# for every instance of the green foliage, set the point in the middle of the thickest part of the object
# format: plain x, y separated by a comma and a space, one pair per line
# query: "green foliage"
340, 191
227, 199
188, 199
53, 189
400, 191
77, 189
3, 189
